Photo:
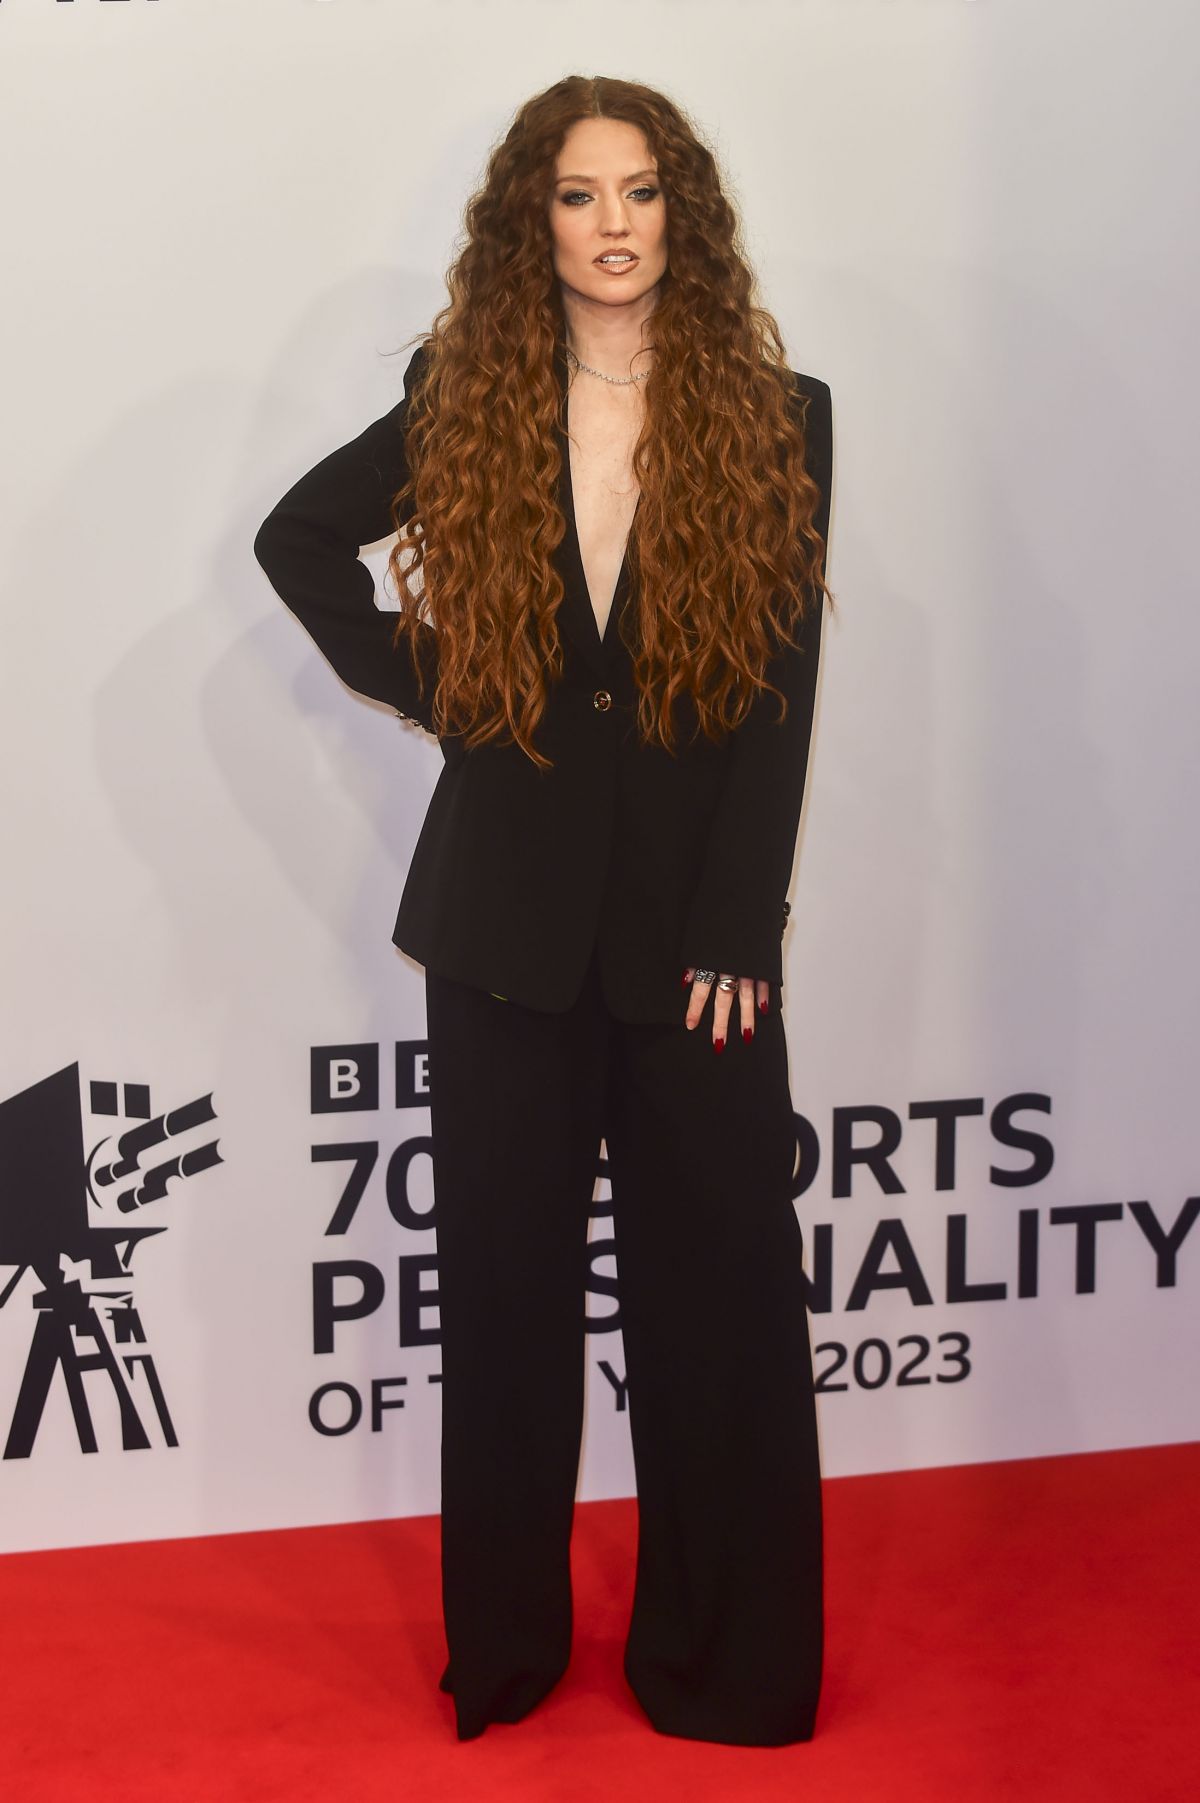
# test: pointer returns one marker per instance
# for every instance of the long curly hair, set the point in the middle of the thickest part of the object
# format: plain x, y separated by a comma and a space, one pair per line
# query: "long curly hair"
723, 555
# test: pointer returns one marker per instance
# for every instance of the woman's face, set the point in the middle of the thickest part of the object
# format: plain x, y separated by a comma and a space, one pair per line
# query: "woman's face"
607, 200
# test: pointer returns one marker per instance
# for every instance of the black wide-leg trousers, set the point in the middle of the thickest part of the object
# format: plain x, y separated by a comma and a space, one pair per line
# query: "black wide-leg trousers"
725, 1640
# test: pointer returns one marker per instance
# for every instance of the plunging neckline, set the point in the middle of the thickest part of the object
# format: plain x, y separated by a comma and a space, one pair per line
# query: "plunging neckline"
602, 638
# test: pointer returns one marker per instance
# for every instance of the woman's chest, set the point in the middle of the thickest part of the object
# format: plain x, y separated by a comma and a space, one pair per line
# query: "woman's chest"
603, 430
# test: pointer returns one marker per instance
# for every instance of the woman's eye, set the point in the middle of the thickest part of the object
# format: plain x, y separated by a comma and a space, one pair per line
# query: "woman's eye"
576, 194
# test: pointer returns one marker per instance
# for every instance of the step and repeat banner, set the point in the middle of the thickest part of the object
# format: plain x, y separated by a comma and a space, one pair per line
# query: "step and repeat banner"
218, 1235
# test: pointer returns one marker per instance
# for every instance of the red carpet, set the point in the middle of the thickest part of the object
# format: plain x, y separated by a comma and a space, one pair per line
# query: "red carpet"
1012, 1631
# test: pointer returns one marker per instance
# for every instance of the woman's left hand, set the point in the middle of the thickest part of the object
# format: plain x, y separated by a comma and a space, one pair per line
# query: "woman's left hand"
751, 992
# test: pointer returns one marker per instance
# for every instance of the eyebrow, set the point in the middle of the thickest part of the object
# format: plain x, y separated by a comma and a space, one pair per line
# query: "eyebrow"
595, 179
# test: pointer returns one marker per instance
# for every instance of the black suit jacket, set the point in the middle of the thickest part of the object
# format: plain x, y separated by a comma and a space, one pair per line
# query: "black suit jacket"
670, 860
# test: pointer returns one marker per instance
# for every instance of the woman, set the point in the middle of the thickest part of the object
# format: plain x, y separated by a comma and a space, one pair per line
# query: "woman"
613, 499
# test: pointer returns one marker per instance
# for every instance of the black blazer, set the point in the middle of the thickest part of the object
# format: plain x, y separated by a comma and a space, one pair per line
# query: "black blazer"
669, 860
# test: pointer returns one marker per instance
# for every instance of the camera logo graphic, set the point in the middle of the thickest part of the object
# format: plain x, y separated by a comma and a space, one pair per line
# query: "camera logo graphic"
72, 1220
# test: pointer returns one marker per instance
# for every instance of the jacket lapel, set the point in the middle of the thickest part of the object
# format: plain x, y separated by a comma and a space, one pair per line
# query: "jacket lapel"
576, 616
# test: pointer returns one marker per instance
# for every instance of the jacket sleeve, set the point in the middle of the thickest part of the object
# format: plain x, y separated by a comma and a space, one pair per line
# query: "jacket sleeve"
738, 911
309, 546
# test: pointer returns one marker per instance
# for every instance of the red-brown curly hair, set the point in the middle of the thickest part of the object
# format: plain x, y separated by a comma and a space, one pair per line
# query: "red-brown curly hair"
723, 554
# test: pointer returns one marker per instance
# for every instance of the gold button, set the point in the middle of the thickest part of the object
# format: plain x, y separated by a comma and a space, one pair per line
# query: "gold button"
602, 699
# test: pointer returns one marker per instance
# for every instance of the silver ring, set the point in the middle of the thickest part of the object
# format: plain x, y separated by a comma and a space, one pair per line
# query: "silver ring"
728, 983
703, 976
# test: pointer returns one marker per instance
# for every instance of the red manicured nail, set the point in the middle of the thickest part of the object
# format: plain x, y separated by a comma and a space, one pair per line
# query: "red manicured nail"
685, 979
747, 1032
762, 1006
718, 1045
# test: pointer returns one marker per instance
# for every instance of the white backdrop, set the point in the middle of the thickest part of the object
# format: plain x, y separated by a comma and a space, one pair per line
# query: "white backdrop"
218, 221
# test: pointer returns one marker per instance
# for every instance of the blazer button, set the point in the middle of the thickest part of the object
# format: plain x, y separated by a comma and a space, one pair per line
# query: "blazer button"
602, 699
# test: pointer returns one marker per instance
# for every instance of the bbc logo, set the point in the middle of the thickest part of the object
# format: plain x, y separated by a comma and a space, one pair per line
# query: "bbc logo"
344, 1079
